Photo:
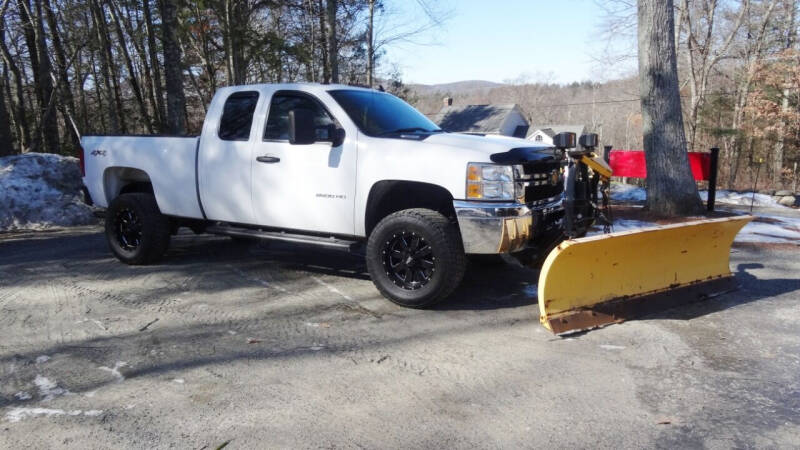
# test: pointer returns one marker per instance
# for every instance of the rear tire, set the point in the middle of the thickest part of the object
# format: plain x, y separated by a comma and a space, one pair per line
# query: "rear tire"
136, 231
415, 257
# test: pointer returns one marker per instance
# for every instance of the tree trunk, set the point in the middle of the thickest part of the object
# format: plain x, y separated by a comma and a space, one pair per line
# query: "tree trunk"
778, 154
158, 89
111, 85
6, 139
235, 24
49, 123
371, 43
323, 37
173, 69
134, 82
671, 189
29, 33
18, 103
333, 44
64, 84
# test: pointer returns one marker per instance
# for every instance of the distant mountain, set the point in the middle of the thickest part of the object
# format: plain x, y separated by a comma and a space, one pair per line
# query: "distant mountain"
456, 87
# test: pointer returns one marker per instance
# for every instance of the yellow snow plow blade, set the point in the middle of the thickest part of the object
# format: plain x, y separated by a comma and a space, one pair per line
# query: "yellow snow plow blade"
594, 281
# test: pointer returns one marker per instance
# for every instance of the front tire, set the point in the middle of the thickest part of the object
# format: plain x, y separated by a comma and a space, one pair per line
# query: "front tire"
415, 257
136, 231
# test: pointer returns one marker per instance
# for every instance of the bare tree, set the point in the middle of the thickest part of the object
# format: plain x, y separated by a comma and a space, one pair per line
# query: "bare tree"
752, 53
671, 189
790, 25
333, 49
702, 54
173, 69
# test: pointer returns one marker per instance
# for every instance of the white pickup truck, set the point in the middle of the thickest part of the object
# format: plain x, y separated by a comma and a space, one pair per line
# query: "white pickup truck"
335, 166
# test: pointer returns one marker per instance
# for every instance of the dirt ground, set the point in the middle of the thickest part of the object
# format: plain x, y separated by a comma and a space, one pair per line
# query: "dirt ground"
279, 346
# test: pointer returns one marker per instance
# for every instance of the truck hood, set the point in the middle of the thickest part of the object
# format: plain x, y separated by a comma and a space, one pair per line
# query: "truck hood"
500, 150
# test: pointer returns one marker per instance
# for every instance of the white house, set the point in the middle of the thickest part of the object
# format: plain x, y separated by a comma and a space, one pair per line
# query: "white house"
544, 134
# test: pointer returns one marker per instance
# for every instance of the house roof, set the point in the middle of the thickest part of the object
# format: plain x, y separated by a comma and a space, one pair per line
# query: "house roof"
552, 130
474, 118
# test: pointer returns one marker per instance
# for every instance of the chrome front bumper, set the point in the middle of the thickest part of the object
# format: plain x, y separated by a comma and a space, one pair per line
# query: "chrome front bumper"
491, 228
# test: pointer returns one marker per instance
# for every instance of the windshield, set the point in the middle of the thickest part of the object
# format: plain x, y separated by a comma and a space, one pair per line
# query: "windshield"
381, 114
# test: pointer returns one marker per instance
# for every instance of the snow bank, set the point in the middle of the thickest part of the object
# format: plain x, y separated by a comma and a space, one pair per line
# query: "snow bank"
39, 191
781, 230
628, 193
775, 229
743, 198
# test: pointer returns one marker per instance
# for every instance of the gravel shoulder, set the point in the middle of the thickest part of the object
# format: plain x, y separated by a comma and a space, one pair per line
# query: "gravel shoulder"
282, 346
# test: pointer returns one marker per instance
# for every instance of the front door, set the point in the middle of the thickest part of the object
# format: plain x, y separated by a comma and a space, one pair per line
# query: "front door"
303, 187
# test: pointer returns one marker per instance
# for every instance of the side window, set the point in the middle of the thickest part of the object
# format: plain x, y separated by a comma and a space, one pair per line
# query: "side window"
237, 116
277, 128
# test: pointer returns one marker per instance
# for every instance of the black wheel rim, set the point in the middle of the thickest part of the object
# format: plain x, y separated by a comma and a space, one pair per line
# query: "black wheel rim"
408, 260
128, 229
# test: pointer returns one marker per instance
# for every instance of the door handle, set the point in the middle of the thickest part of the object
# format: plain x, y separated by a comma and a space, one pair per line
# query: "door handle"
268, 159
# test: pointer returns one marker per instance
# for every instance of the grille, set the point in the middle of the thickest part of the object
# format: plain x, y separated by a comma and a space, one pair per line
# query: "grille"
544, 181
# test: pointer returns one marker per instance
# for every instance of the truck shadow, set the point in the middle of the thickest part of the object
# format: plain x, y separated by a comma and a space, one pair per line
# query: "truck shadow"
750, 289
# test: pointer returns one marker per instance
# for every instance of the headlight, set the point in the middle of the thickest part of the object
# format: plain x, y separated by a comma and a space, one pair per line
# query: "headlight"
492, 182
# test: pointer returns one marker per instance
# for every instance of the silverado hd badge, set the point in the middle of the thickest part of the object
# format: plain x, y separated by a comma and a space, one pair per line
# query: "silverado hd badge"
339, 196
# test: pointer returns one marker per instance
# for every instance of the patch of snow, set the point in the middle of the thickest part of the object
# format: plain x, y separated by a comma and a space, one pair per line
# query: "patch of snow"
622, 225
100, 324
779, 230
48, 389
115, 371
17, 414
332, 288
627, 193
531, 290
22, 395
784, 230
40, 191
611, 347
178, 380
743, 198
42, 359
630, 193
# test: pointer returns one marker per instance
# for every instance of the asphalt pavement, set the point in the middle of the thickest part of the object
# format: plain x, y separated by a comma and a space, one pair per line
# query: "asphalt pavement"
280, 346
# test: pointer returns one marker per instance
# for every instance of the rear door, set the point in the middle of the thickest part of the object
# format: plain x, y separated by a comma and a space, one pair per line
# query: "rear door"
303, 187
225, 163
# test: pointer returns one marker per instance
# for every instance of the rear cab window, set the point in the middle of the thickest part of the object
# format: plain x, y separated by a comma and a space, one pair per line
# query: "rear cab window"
237, 116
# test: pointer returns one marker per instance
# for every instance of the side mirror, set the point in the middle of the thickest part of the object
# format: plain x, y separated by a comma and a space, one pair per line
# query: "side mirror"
302, 130
336, 135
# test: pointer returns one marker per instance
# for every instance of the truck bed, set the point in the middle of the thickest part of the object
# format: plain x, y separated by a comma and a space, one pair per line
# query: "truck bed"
168, 162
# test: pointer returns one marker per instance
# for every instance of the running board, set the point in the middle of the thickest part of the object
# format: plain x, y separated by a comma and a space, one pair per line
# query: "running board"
330, 242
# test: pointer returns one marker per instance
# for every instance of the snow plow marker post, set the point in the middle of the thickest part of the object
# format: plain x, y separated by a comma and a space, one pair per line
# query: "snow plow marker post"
594, 281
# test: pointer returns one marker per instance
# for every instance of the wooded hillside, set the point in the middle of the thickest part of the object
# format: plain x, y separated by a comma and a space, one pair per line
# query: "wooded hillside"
152, 66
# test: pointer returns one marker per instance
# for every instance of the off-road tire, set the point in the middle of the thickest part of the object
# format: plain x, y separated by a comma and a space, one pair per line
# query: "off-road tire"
446, 249
155, 229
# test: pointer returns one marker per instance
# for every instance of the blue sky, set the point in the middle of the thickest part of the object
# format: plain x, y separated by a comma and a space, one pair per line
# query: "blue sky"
499, 40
